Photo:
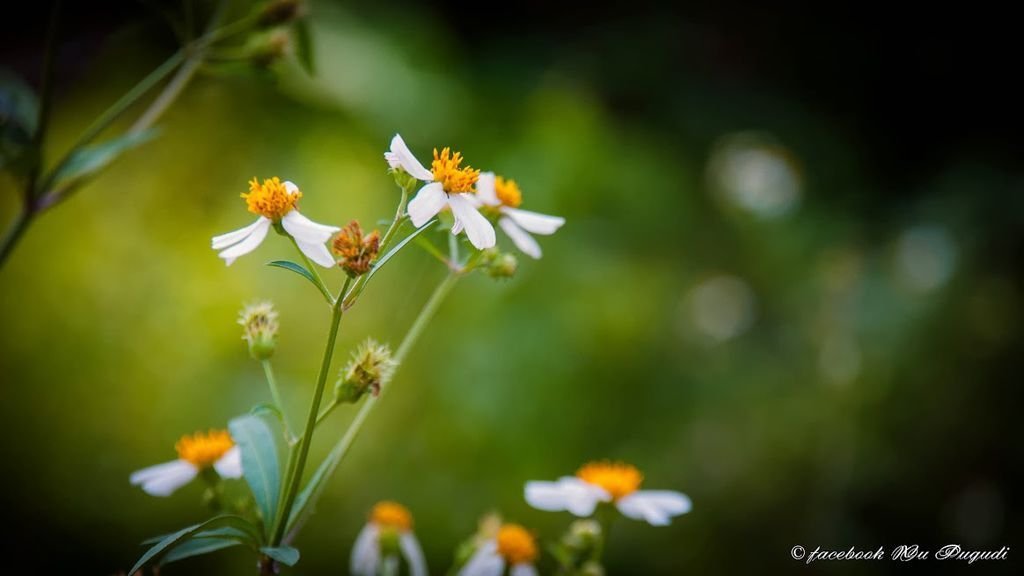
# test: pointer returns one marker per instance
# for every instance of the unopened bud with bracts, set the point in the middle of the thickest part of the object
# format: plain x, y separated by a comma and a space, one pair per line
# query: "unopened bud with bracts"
277, 12
266, 48
356, 252
369, 368
498, 264
259, 329
579, 545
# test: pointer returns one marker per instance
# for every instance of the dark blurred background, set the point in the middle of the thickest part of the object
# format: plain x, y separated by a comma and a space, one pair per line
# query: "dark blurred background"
789, 284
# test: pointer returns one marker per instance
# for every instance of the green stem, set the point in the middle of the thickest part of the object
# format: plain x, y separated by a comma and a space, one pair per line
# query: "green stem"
295, 473
327, 411
337, 453
14, 234
275, 393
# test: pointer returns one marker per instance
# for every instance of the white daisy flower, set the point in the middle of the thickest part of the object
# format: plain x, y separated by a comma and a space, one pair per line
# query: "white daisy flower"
388, 533
504, 197
446, 184
275, 202
618, 483
196, 453
513, 547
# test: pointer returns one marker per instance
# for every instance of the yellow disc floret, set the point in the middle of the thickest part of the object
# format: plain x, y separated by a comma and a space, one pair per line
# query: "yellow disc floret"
271, 199
446, 169
516, 544
508, 192
617, 478
391, 515
203, 449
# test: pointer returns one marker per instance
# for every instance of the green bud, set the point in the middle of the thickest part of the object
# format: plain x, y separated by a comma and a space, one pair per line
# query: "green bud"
591, 568
403, 179
498, 264
259, 329
369, 368
266, 48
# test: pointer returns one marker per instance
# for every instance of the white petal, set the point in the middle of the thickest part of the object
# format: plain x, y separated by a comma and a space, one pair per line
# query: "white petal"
534, 222
568, 493
478, 229
305, 230
413, 554
427, 203
485, 189
317, 253
291, 188
225, 240
655, 506
164, 479
401, 157
521, 238
484, 562
230, 464
366, 552
457, 227
248, 244
523, 569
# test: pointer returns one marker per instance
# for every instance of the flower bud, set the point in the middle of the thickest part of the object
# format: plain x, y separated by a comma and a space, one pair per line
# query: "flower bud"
259, 329
357, 252
582, 537
266, 48
498, 264
367, 370
277, 12
591, 568
403, 179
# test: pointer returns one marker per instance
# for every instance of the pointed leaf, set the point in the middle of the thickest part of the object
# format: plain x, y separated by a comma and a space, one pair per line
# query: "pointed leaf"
260, 461
286, 555
304, 46
88, 161
19, 116
197, 547
186, 534
391, 253
301, 271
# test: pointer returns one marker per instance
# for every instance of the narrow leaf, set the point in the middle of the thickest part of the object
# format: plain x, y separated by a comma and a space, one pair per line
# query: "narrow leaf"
286, 555
185, 534
391, 253
90, 160
18, 104
197, 547
260, 462
301, 271
304, 46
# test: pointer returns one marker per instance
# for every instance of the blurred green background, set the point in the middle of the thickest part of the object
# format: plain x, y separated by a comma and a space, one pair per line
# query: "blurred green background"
788, 284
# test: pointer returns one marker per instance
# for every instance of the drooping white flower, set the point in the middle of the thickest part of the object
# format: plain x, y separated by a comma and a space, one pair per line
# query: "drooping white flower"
505, 197
513, 547
447, 183
387, 533
618, 483
200, 451
275, 201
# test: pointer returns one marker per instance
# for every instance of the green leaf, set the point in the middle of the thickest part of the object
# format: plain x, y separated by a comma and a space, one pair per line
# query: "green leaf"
298, 269
391, 253
197, 547
304, 46
19, 117
260, 462
186, 534
286, 555
88, 161
18, 103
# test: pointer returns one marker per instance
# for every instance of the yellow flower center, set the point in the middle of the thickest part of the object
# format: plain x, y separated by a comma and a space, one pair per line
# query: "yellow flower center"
203, 449
508, 192
617, 478
446, 169
516, 544
391, 515
270, 199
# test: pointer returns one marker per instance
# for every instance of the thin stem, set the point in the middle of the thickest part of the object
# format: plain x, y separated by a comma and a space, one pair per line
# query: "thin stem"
295, 474
337, 453
327, 411
275, 393
14, 234
46, 92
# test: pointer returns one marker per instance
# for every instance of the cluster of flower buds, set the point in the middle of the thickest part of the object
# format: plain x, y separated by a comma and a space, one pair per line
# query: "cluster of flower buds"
497, 264
369, 368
